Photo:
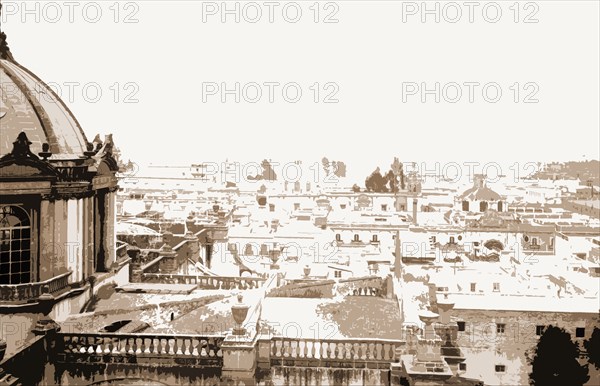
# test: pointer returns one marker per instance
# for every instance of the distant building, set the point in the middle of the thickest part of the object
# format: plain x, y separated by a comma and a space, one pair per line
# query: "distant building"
480, 198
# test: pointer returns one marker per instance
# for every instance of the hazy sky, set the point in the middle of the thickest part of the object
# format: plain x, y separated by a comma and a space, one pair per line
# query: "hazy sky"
369, 56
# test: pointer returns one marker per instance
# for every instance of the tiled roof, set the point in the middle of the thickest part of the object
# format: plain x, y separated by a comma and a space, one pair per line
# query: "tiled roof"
480, 194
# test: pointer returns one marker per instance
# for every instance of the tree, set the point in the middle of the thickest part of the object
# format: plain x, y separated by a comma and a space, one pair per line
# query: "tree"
340, 169
268, 172
326, 165
391, 181
376, 182
355, 188
592, 346
555, 360
398, 171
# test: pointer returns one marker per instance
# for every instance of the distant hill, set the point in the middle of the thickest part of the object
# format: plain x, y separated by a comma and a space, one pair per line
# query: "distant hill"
586, 171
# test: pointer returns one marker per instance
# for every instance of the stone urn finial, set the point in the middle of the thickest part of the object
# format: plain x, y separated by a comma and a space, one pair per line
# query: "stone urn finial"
45, 153
239, 312
307, 271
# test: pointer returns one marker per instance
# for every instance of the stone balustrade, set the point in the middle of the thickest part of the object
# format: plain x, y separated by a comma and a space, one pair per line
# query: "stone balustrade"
206, 282
347, 352
31, 291
163, 349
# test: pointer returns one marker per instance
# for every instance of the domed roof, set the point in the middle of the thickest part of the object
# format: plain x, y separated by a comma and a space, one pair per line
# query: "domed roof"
28, 105
479, 191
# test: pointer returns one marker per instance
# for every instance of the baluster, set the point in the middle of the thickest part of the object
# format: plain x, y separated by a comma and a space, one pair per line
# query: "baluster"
210, 347
368, 351
72, 345
124, 345
164, 345
75, 344
218, 342
99, 345
313, 348
276, 348
140, 346
378, 351
186, 342
79, 344
305, 349
90, 344
284, 348
324, 349
194, 347
144, 345
170, 345
181, 346
355, 350
205, 348
133, 346
66, 346
176, 348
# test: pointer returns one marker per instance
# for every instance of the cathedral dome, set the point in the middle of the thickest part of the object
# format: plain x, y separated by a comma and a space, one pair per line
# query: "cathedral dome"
28, 105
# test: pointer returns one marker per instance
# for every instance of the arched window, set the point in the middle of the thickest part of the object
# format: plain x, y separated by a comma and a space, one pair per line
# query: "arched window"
483, 205
15, 245
499, 206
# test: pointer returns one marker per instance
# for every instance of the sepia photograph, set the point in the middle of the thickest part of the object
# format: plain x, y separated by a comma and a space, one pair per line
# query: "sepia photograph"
299, 193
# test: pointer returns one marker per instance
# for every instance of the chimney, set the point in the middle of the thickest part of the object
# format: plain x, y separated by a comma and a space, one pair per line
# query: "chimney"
414, 211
